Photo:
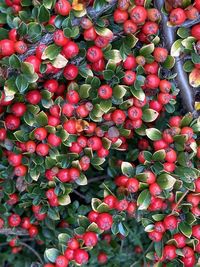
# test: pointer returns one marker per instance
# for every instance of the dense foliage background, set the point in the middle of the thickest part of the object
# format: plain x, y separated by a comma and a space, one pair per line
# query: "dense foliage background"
99, 150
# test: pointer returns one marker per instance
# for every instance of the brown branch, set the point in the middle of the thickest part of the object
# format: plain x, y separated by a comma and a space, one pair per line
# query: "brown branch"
79, 194
186, 90
14, 231
98, 178
32, 250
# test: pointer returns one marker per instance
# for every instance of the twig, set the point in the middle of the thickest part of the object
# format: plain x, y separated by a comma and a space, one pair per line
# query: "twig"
190, 23
79, 194
32, 250
149, 247
186, 91
180, 200
98, 178
10, 231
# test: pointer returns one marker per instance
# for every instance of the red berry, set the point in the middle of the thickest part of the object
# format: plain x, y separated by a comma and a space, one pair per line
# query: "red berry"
110, 200
63, 7
69, 254
104, 221
196, 231
118, 116
120, 16
102, 258
25, 223
129, 27
135, 113
70, 72
155, 189
15, 159
90, 239
155, 236
51, 85
177, 16
12, 122
105, 91
94, 54
20, 47
59, 38
95, 143
160, 54
171, 155
132, 185
6, 47
70, 50
33, 97
170, 222
61, 261
81, 256
20, 170
14, 220
152, 81
35, 62
42, 150
33, 231
74, 174
169, 252
92, 216
129, 77
150, 28
138, 14
54, 140
180, 240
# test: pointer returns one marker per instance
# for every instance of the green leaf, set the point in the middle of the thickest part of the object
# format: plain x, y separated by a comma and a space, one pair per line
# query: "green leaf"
166, 181
185, 228
14, 61
43, 14
153, 134
169, 62
95, 203
3, 33
176, 48
21, 136
149, 115
183, 32
106, 105
41, 118
146, 50
82, 180
103, 207
114, 55
119, 91
63, 238
51, 52
159, 155
188, 66
51, 254
64, 200
195, 58
21, 83
144, 200
127, 169
84, 91
138, 93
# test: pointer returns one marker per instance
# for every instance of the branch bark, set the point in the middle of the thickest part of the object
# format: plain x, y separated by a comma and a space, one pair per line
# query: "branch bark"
186, 90
10, 231
33, 251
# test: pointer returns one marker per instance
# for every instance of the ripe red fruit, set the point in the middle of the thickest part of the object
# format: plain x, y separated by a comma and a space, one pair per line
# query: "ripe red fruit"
90, 239
197, 4
151, 68
118, 116
102, 258
135, 113
153, 14
155, 236
191, 12
30, 146
35, 62
6, 47
39, 50
105, 91
102, 152
33, 231
49, 265
63, 175
130, 62
170, 222
169, 252
81, 256
92, 216
177, 16
20, 47
51, 85
20, 170
187, 131
189, 261
129, 27
195, 31
196, 231
138, 14
197, 185
110, 200
160, 54
159, 227
12, 122
13, 35
61, 261
150, 177
2, 134
70, 50
42, 150
180, 240
150, 28
25, 223
40, 133
165, 86
69, 254
18, 109
132, 185
15, 159
155, 189
73, 243
54, 140
121, 205
74, 174
59, 38
160, 144
94, 54
95, 143
129, 77
63, 7
171, 155
33, 97
14, 220
152, 81
120, 16
104, 221
90, 34
70, 72
70, 126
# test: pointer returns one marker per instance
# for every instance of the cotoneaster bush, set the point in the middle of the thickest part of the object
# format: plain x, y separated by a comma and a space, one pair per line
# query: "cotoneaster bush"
99, 151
